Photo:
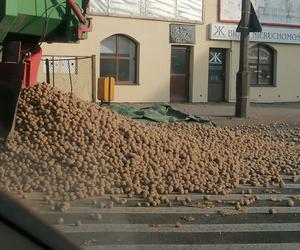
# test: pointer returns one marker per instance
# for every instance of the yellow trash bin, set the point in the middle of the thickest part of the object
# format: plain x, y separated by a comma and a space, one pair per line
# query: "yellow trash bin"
106, 89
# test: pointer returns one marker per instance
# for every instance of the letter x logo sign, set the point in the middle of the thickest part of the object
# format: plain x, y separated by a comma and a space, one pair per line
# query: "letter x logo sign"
215, 58
219, 31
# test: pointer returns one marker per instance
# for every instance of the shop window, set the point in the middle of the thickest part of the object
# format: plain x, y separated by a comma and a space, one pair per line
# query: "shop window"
261, 65
118, 59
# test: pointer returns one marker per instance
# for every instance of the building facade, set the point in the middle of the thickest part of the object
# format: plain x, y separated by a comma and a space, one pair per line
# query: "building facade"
188, 51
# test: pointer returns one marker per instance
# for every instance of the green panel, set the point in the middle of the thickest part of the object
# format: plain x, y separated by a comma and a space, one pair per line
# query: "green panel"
33, 16
8, 13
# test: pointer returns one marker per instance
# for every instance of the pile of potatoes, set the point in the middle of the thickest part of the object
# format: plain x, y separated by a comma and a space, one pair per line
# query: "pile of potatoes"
72, 149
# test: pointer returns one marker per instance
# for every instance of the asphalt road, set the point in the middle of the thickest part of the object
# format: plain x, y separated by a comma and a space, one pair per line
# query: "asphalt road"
217, 227
222, 114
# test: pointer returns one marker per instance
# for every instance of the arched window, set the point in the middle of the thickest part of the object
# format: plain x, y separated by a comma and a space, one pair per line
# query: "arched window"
118, 59
261, 65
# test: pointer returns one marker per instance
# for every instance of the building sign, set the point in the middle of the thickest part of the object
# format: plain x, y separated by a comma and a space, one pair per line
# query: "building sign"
269, 12
183, 34
215, 60
216, 64
268, 34
179, 10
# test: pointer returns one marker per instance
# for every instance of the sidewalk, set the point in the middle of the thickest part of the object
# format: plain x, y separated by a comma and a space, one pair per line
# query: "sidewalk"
222, 114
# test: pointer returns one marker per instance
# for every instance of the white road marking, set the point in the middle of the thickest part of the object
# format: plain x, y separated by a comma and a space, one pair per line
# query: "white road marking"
290, 246
174, 210
185, 228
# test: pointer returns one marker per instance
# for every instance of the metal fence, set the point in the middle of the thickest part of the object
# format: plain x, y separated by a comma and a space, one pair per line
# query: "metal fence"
72, 74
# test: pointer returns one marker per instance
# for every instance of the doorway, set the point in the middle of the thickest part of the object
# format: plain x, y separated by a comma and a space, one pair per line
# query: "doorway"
180, 74
217, 75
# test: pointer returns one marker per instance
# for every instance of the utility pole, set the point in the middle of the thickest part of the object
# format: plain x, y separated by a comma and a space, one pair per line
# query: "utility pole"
242, 78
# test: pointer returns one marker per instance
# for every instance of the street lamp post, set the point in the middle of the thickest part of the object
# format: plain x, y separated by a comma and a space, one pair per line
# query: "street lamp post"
242, 79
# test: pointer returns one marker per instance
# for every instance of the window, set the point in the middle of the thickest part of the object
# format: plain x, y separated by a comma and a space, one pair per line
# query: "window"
261, 65
118, 59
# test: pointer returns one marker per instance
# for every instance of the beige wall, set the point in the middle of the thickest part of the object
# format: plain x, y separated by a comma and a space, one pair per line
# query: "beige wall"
287, 75
81, 80
155, 55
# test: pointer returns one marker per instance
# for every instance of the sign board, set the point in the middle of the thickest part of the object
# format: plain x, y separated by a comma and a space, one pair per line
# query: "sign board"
179, 10
182, 34
216, 64
268, 34
254, 23
269, 12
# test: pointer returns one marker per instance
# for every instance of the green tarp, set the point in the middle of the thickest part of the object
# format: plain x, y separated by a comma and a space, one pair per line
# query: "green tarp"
157, 114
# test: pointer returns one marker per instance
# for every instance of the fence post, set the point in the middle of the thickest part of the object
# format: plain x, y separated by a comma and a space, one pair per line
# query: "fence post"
47, 71
53, 71
94, 87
